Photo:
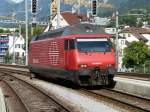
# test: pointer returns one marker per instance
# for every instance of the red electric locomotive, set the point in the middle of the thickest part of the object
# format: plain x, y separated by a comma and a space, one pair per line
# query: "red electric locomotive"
82, 54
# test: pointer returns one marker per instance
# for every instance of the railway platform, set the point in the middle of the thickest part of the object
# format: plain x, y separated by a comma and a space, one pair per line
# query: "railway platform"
2, 102
133, 86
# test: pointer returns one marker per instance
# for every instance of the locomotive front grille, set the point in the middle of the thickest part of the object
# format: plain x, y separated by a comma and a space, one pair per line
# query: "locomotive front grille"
94, 76
99, 76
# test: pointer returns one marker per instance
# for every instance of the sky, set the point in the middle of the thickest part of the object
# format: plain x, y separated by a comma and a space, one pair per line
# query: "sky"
18, 1
15, 1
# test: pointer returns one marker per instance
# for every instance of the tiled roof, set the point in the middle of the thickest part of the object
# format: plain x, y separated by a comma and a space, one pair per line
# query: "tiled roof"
140, 37
136, 30
82, 16
70, 18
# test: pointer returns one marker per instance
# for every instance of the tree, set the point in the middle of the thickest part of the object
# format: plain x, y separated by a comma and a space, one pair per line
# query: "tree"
136, 54
128, 20
4, 31
1, 31
140, 24
8, 57
37, 30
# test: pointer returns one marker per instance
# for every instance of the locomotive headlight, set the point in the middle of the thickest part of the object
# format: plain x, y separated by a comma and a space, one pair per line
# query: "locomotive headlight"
83, 66
109, 65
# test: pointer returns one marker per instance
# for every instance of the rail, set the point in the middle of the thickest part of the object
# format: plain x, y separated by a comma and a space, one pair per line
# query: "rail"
61, 108
123, 100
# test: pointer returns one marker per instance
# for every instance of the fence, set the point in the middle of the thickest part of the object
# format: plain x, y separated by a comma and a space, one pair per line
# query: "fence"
20, 61
145, 68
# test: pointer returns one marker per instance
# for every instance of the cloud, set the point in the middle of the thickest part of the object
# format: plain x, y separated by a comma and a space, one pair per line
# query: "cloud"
15, 1
105, 1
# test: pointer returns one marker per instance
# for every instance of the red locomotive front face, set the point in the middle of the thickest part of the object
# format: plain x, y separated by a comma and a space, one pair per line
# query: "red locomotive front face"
95, 52
93, 59
91, 53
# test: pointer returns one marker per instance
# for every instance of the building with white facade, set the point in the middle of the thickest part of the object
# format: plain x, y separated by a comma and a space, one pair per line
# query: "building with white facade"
126, 36
13, 44
16, 44
129, 35
67, 19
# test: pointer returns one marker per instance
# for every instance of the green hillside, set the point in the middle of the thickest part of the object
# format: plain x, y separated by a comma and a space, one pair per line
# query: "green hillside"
125, 5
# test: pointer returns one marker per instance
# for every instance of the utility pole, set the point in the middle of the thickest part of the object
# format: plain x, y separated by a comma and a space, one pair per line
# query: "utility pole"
26, 22
13, 47
117, 56
58, 13
79, 4
50, 16
19, 29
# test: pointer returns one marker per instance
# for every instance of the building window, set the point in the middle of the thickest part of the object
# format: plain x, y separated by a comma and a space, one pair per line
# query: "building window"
122, 42
129, 35
123, 35
17, 54
23, 54
17, 46
121, 52
113, 30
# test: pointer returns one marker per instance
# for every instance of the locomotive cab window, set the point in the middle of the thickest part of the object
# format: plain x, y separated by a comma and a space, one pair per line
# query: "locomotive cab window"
94, 45
69, 44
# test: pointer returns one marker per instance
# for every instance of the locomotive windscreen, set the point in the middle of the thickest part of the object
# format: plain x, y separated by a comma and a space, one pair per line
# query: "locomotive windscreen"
94, 45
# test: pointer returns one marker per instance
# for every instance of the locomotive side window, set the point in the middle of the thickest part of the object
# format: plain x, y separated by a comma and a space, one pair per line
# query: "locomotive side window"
69, 44
94, 45
66, 45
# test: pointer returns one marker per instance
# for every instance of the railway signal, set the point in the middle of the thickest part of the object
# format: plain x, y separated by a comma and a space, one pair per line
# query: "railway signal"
33, 24
34, 5
94, 7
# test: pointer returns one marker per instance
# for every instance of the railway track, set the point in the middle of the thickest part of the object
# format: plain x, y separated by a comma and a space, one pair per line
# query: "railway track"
122, 100
119, 99
25, 70
17, 68
13, 101
31, 98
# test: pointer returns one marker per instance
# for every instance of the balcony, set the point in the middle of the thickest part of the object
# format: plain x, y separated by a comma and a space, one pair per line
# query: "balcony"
2, 38
2, 53
4, 41
4, 46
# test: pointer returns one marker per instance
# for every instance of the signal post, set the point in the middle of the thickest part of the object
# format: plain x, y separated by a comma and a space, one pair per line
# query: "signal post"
26, 21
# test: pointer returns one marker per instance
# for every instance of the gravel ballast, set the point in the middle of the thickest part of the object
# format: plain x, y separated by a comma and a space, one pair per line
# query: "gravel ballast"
71, 97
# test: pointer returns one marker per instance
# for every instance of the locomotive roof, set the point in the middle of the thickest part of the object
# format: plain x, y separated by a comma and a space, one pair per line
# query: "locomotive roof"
77, 29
